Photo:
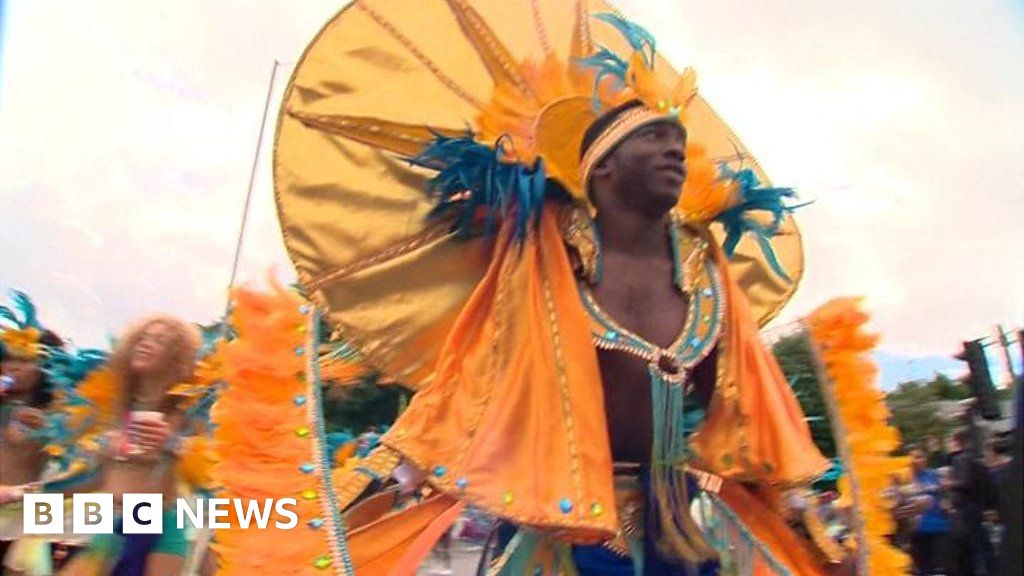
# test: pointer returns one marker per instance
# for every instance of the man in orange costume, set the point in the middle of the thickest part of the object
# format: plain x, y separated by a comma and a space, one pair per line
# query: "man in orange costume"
605, 371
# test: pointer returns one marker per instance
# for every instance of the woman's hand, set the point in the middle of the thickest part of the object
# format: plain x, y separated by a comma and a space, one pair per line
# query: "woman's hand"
149, 436
31, 418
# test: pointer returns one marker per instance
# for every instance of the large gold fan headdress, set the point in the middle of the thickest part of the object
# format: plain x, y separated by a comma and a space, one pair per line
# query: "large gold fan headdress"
383, 84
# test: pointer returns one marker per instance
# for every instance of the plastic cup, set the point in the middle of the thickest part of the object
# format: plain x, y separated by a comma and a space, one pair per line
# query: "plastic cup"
139, 416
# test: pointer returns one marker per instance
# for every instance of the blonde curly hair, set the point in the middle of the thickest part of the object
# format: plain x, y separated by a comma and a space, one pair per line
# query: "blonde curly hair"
176, 365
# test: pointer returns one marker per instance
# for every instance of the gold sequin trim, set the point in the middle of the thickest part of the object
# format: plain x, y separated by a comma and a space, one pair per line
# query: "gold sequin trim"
380, 463
408, 44
404, 246
538, 24
477, 31
579, 234
564, 390
582, 46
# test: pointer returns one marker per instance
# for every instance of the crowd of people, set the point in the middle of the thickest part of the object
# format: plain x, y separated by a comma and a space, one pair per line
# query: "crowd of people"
950, 513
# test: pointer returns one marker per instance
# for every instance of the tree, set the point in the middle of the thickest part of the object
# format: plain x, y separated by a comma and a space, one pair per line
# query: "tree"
357, 407
945, 388
796, 359
914, 407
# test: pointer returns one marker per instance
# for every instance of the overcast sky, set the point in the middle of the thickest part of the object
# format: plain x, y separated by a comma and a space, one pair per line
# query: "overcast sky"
127, 132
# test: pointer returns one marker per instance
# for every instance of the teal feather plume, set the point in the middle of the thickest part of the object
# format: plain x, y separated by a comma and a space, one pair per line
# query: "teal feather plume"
475, 183
738, 220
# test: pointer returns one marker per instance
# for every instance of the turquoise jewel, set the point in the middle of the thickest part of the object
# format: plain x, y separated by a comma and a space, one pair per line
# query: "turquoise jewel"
611, 335
462, 483
316, 523
440, 471
694, 341
299, 350
307, 468
299, 400
565, 505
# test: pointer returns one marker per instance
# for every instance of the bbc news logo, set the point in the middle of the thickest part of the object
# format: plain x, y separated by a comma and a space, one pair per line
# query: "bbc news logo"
144, 513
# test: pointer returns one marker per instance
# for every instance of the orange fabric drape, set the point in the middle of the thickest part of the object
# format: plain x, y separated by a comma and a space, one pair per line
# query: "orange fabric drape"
396, 544
772, 531
514, 419
755, 429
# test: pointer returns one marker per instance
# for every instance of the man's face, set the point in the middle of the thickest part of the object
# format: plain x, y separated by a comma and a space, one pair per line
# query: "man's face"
917, 460
952, 444
649, 165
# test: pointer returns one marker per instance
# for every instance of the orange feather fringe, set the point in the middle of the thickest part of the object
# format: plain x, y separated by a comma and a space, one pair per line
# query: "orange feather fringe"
837, 330
263, 437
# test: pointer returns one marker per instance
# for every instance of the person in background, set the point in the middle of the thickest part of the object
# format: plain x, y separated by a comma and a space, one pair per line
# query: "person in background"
937, 457
1011, 554
972, 493
929, 540
25, 398
149, 362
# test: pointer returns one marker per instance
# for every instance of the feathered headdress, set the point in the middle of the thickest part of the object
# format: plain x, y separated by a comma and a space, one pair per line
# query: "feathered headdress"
23, 339
489, 102
533, 129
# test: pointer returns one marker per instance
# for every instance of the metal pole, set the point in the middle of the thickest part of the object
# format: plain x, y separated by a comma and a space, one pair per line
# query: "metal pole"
252, 181
1004, 344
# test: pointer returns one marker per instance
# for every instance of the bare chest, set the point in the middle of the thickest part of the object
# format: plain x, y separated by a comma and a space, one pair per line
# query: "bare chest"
647, 304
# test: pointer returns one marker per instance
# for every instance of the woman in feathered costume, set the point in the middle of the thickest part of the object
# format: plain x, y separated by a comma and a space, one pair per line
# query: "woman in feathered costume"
141, 439
25, 396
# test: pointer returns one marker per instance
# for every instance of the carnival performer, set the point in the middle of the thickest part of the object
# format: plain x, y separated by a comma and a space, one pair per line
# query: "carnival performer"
149, 363
25, 397
583, 343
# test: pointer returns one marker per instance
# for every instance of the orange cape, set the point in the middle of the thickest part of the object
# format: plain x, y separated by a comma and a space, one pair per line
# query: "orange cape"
514, 423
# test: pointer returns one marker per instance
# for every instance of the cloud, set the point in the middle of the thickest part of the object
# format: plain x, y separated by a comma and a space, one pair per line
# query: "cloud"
902, 121
127, 132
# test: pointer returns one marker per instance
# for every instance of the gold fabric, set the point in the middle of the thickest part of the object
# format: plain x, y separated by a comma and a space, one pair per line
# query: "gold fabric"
370, 87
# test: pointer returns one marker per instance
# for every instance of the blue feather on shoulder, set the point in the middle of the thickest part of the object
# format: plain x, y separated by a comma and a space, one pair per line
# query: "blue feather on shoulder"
475, 184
